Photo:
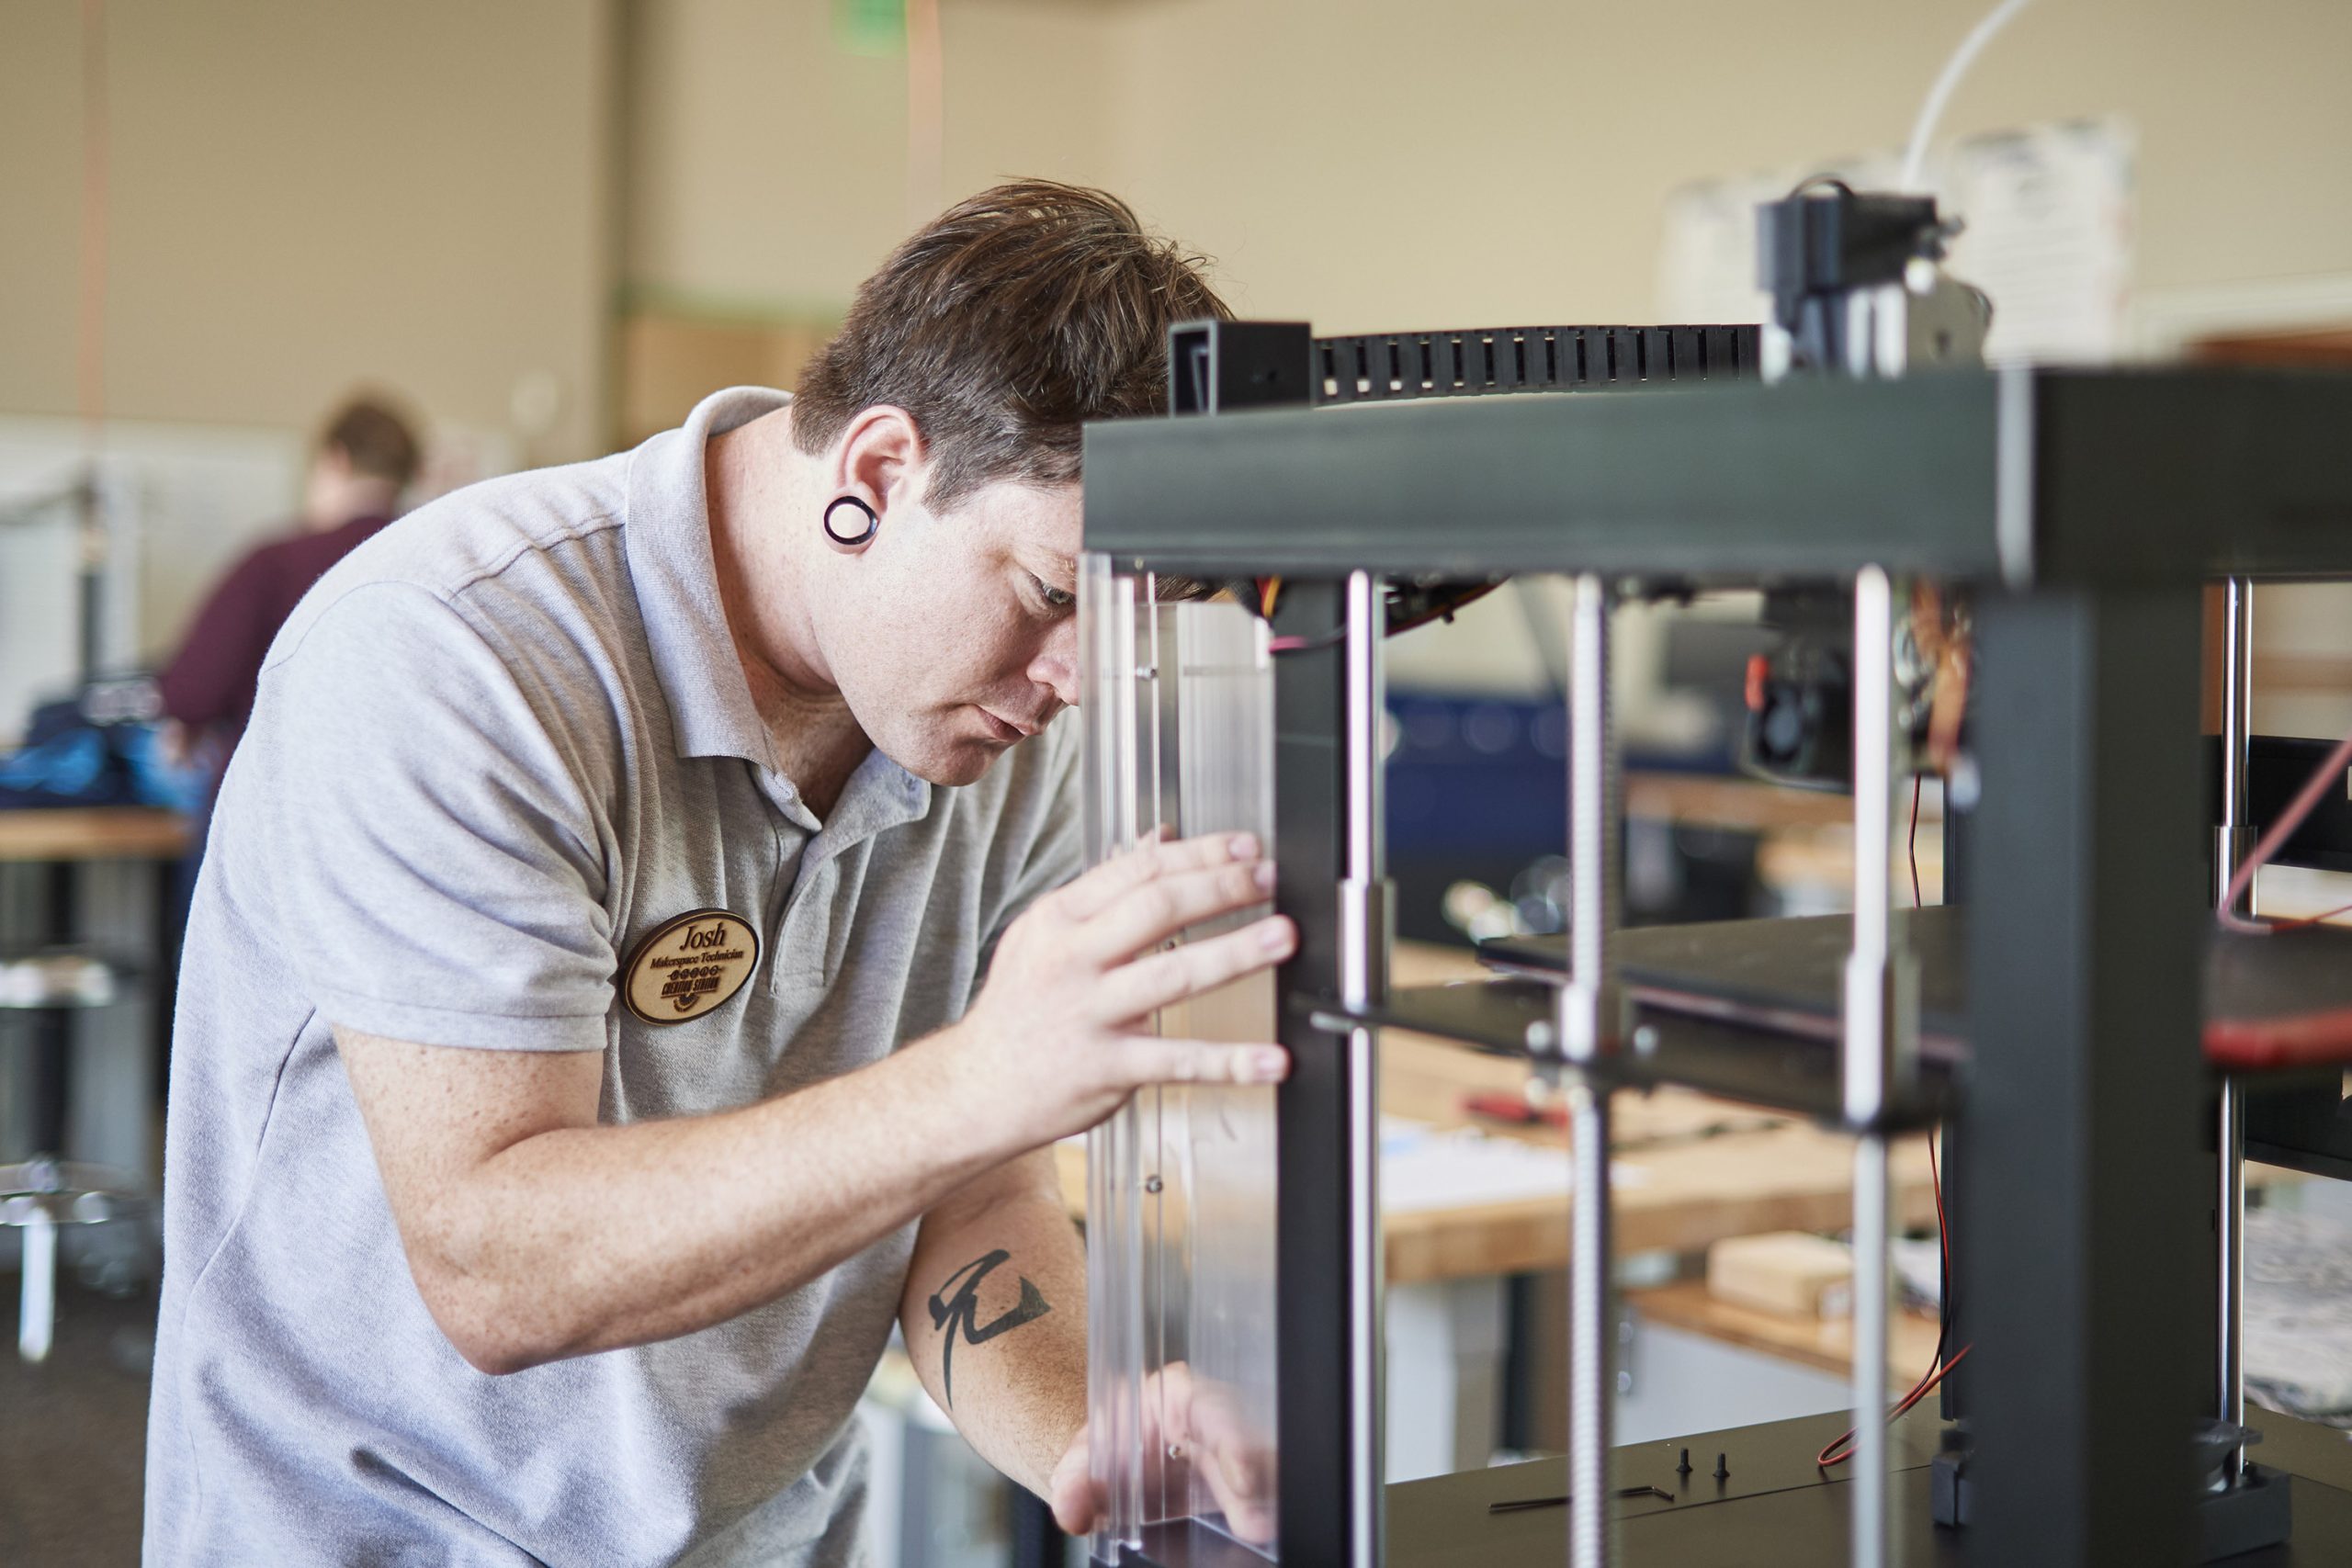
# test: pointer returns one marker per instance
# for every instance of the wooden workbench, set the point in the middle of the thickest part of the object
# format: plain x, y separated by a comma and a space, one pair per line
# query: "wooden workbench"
1824, 1344
1698, 1169
97, 878
92, 832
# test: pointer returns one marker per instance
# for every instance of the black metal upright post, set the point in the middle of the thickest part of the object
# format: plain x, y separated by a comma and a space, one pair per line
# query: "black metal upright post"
1326, 1398
2086, 1260
52, 1029
1319, 1402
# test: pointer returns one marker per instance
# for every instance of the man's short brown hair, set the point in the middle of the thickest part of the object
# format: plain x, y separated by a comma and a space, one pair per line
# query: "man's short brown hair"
374, 438
1001, 326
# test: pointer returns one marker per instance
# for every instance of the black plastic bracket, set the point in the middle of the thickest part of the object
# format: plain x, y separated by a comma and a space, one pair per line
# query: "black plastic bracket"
2257, 1512
1217, 367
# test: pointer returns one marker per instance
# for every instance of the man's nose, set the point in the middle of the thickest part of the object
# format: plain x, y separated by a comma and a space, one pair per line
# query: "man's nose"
1056, 666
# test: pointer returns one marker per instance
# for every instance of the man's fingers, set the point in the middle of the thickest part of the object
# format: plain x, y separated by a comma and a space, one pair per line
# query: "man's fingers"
1078, 1506
1159, 979
1148, 1059
1071, 1492
1239, 1469
1228, 1451
1089, 895
1148, 915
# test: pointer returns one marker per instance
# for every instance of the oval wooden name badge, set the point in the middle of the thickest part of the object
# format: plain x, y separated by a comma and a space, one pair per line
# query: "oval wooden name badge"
689, 965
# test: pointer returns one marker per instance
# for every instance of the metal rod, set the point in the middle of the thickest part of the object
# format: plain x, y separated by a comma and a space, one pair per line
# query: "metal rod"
1366, 838
1592, 1385
36, 1297
1877, 1058
2230, 842
1363, 970
2237, 697
1872, 1525
2230, 1242
91, 533
1868, 1062
1590, 849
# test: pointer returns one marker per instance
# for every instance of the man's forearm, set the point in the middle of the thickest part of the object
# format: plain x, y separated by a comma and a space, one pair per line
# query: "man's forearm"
995, 1317
588, 1238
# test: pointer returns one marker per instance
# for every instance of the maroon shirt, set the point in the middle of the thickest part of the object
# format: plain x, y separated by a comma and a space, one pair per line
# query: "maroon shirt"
211, 684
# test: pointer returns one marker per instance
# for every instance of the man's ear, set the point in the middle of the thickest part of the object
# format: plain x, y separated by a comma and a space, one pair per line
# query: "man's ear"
879, 457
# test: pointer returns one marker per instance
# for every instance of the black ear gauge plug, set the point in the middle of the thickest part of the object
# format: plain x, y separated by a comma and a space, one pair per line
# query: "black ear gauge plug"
860, 528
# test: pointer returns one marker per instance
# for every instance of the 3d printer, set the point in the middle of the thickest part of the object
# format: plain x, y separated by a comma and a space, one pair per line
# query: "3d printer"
2097, 1093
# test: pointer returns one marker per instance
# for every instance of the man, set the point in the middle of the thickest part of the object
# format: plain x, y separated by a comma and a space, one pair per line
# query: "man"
584, 1054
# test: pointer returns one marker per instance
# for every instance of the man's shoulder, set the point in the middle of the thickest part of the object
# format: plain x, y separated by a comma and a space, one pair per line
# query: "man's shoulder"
531, 538
484, 530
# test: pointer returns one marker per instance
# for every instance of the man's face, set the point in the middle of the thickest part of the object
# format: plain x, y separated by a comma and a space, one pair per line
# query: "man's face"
956, 634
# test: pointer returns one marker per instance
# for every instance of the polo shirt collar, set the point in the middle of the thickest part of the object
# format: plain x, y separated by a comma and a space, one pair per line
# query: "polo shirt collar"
880, 794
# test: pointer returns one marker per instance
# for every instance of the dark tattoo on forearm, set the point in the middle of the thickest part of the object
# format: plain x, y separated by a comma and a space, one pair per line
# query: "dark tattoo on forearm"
948, 1312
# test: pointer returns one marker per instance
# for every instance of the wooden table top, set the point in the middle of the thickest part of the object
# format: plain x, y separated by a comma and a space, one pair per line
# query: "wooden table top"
1824, 1344
92, 832
1696, 1169
1739, 805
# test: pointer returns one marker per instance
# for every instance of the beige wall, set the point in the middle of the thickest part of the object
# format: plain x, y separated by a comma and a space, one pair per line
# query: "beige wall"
1362, 163
310, 193
1391, 163
1375, 164
767, 166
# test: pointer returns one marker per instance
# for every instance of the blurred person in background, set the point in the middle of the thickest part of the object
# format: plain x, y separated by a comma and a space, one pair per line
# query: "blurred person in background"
367, 456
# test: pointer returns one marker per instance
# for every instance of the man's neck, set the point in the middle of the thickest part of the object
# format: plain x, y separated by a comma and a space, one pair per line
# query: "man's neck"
759, 485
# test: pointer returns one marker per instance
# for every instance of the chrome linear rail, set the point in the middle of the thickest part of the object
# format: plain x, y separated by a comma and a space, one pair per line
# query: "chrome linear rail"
2230, 847
1363, 957
1880, 1054
1584, 1034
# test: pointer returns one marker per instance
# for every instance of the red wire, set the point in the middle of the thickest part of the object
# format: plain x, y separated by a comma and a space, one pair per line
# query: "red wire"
1936, 1177
1916, 779
1841, 1449
2326, 774
2312, 919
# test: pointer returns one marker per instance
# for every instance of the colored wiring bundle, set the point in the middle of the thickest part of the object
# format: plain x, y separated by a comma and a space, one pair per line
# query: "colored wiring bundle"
1842, 1449
1409, 605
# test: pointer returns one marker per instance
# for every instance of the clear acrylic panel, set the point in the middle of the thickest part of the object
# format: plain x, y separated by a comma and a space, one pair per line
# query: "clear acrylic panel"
1179, 727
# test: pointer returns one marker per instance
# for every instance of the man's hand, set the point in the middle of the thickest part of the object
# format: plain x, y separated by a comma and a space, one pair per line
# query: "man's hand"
1056, 1040
1206, 1434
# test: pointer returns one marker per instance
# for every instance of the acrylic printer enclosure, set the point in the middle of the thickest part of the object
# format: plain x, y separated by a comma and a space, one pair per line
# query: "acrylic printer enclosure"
1179, 715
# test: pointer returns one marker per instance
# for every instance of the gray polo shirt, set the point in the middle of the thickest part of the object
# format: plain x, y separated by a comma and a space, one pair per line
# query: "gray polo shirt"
496, 750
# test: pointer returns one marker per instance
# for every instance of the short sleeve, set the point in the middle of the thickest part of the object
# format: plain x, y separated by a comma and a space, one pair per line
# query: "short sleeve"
428, 852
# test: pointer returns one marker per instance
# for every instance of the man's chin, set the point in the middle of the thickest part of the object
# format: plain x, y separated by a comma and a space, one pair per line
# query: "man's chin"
955, 763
